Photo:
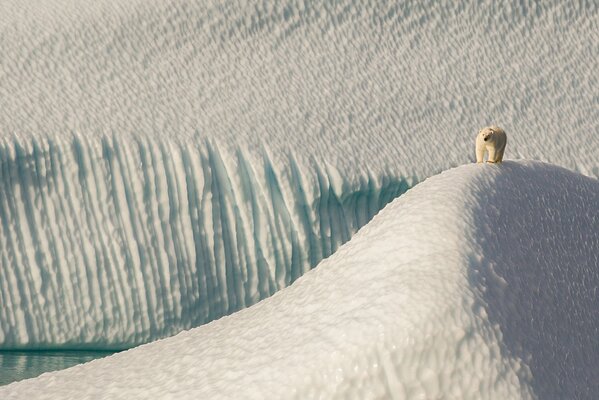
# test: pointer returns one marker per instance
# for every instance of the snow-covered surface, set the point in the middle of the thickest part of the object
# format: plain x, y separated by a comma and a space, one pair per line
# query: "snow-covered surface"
478, 283
352, 83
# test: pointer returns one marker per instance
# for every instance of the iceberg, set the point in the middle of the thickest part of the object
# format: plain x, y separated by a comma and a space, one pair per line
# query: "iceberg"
478, 283
164, 164
108, 245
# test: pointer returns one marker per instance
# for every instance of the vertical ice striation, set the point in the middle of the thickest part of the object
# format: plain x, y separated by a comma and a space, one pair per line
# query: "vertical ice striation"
108, 243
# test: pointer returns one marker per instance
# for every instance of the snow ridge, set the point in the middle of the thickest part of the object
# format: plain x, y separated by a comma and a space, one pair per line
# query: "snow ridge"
478, 283
108, 243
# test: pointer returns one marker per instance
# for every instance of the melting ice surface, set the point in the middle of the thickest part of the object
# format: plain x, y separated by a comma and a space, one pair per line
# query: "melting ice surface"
477, 283
164, 163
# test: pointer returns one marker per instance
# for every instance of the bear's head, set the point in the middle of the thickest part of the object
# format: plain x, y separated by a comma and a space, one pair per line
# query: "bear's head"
488, 133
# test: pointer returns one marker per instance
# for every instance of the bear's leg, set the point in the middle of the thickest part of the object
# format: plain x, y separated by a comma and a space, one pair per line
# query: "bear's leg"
491, 158
499, 156
499, 152
480, 152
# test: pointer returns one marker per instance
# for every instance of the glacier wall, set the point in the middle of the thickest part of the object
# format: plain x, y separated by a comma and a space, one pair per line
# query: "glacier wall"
108, 243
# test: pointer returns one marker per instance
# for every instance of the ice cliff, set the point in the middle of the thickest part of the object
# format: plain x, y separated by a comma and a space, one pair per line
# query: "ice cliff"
105, 245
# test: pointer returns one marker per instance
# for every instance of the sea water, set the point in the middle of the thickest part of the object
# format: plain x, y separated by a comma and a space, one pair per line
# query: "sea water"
19, 365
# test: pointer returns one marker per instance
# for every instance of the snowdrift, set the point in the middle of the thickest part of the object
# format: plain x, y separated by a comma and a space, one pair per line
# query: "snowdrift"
477, 283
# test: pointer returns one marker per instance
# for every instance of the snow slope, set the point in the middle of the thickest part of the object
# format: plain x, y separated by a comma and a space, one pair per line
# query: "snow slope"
478, 283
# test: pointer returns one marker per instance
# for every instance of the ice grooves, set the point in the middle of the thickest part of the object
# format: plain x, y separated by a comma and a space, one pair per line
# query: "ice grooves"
108, 243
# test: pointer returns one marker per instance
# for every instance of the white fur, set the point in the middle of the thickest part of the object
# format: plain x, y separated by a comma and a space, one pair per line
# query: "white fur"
495, 142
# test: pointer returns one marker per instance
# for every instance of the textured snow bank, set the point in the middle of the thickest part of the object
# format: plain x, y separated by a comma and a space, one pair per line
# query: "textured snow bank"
478, 283
537, 230
109, 244
349, 82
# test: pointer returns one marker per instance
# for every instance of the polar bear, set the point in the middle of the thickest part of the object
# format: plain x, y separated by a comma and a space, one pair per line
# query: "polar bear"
493, 140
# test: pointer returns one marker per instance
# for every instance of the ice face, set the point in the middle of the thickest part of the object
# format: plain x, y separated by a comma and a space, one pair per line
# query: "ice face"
109, 244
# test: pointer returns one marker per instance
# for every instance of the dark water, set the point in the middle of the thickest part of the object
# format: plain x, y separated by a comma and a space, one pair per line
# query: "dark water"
19, 365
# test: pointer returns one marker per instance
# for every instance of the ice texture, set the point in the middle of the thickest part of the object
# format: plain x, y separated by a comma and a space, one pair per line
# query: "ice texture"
478, 283
352, 83
107, 246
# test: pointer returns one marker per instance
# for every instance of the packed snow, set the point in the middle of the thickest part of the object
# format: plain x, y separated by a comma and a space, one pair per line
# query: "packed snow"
479, 283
